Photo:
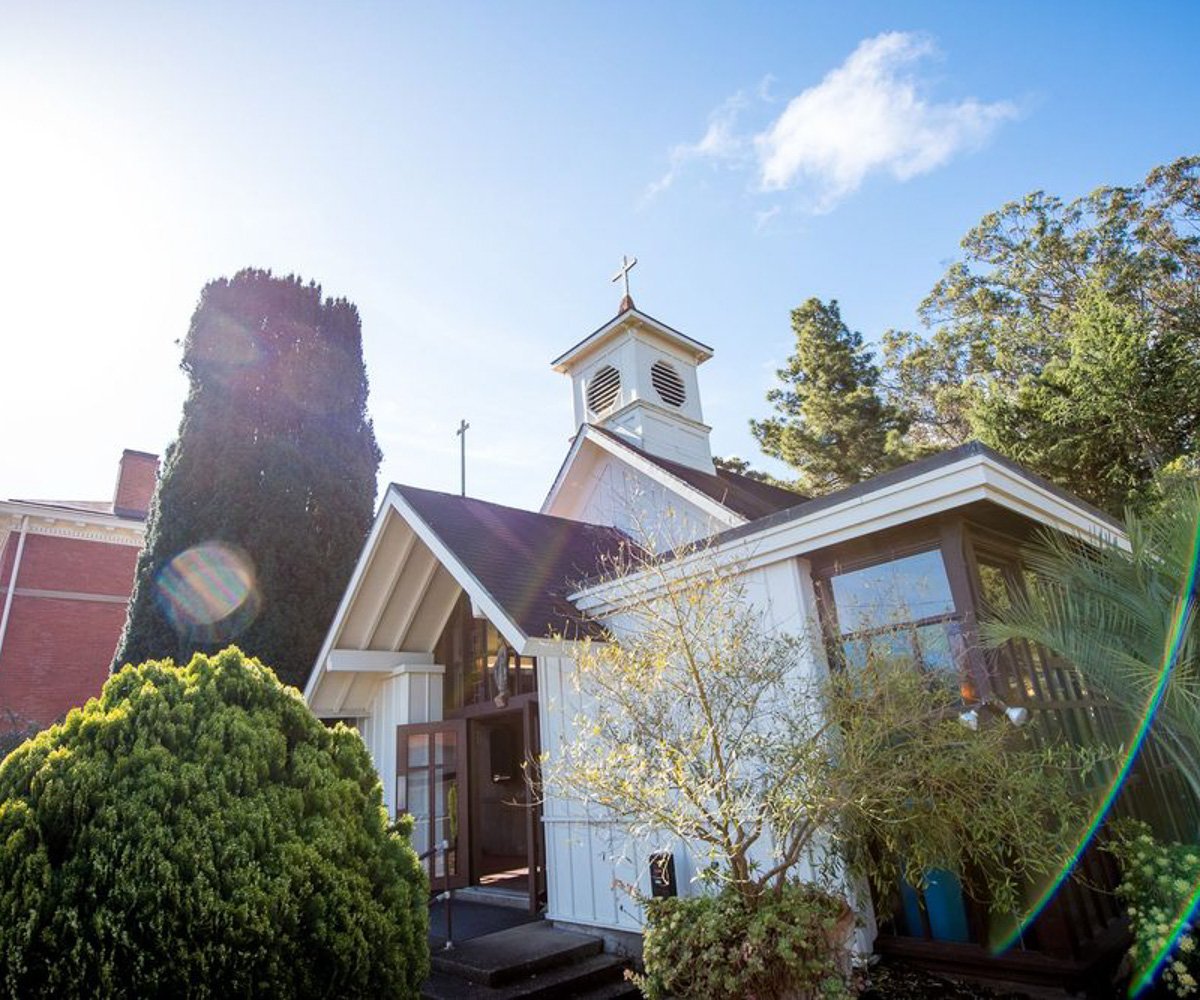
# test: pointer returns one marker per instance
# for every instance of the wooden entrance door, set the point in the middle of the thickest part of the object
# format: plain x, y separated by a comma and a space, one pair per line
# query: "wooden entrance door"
432, 785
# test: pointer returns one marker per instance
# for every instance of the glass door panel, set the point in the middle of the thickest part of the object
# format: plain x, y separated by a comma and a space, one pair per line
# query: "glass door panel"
431, 787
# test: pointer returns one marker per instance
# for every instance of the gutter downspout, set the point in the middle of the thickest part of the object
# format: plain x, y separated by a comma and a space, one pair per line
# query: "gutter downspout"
12, 580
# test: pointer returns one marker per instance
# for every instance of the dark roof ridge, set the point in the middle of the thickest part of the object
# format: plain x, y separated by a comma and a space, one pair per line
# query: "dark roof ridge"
404, 487
744, 484
79, 506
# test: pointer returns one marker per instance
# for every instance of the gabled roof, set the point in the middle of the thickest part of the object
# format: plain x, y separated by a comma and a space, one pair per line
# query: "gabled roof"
747, 497
527, 562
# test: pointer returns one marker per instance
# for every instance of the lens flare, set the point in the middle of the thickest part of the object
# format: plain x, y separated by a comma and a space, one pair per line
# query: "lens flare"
1185, 608
208, 592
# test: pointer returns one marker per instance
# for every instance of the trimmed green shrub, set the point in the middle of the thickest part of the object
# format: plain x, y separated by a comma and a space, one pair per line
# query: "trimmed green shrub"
793, 944
196, 831
1157, 882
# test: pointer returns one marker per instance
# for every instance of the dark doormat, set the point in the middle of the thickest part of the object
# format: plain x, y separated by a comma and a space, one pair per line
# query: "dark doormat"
472, 920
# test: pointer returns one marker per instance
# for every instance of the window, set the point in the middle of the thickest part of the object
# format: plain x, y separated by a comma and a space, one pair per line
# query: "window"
899, 608
468, 648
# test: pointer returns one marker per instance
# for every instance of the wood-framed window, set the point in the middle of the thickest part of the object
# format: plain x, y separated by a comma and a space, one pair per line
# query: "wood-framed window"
468, 648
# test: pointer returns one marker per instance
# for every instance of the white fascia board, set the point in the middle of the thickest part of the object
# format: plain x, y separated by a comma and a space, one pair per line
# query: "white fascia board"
937, 491
565, 469
552, 647
629, 318
349, 595
463, 576
373, 661
1026, 497
22, 508
651, 469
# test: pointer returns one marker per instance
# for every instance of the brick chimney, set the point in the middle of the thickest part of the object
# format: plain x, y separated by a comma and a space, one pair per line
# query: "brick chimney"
136, 477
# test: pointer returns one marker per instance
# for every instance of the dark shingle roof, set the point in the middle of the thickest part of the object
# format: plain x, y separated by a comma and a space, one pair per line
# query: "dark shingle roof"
746, 497
527, 562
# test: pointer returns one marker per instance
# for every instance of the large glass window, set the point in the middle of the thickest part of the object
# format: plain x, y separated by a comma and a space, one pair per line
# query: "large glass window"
469, 648
902, 608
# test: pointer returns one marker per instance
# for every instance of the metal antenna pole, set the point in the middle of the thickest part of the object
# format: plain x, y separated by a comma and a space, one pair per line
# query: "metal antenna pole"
462, 434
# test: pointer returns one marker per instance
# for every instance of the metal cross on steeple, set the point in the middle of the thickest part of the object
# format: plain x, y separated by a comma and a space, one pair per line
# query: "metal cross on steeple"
622, 274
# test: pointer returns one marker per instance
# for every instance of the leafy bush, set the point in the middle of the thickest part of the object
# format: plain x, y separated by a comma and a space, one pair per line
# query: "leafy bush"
196, 831
790, 944
1157, 881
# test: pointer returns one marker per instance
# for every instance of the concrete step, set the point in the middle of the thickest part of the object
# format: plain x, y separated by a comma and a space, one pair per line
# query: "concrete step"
620, 989
596, 977
516, 953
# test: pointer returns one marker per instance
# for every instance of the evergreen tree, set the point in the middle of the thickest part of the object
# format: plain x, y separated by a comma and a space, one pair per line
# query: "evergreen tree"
831, 424
1068, 336
268, 492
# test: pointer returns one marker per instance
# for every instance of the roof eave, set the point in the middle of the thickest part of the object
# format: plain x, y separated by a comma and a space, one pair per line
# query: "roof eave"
978, 475
699, 351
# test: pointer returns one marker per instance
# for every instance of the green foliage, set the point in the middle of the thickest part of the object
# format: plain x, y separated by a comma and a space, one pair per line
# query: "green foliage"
1068, 336
912, 790
1157, 882
1109, 410
1112, 614
700, 723
196, 832
831, 423
741, 467
275, 461
793, 944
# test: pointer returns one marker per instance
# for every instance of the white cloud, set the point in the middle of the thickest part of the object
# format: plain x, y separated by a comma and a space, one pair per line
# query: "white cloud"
763, 219
719, 143
868, 115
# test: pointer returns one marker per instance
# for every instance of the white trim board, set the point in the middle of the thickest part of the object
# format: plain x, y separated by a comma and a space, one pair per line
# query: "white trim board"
973, 478
652, 470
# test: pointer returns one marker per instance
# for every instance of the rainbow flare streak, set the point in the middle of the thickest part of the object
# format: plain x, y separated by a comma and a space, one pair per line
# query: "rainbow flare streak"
1184, 609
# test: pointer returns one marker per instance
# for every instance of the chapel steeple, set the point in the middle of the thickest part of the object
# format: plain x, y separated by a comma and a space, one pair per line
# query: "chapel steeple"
636, 377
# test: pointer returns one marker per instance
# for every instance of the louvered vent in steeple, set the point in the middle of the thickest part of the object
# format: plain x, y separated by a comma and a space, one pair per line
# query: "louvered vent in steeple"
667, 383
603, 388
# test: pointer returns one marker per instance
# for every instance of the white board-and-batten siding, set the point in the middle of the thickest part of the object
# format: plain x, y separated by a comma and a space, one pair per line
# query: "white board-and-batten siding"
588, 857
413, 693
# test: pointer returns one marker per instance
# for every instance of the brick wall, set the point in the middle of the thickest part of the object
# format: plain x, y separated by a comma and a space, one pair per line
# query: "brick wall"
57, 648
56, 655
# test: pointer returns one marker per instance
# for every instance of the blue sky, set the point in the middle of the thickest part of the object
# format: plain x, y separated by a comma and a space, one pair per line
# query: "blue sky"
470, 175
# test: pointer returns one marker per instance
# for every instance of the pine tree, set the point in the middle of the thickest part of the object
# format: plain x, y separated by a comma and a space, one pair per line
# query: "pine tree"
266, 495
831, 424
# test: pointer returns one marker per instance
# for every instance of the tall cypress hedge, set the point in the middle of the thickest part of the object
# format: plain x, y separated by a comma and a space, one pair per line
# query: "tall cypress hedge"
196, 832
267, 494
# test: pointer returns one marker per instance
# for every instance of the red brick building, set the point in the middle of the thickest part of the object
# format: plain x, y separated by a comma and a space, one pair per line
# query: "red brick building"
66, 569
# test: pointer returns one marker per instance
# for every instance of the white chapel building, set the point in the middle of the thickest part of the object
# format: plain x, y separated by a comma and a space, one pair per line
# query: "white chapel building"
446, 585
